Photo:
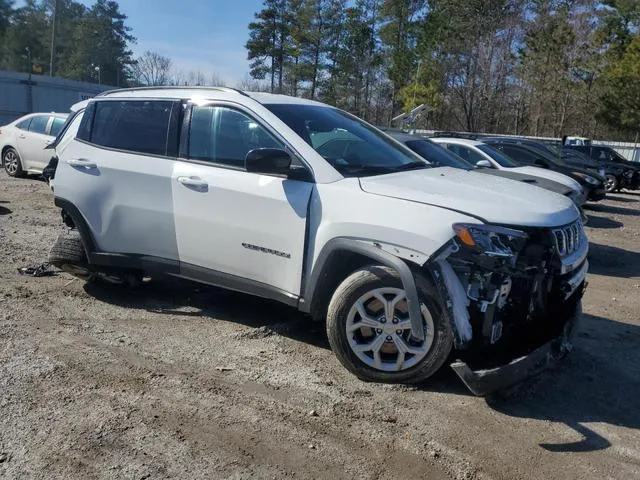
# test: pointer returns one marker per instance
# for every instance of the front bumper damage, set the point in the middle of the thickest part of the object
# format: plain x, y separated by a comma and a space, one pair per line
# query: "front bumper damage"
597, 194
522, 320
484, 381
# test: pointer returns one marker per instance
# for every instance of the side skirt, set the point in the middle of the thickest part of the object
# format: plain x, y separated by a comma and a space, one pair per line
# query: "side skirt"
195, 273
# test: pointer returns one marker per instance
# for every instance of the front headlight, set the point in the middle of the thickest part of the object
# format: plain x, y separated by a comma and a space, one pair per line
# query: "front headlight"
490, 240
590, 180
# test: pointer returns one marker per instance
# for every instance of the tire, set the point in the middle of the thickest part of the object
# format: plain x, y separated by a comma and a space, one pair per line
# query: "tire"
68, 255
611, 183
415, 367
12, 163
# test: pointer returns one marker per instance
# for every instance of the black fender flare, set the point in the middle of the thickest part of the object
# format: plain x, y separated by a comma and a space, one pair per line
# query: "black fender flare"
368, 249
79, 223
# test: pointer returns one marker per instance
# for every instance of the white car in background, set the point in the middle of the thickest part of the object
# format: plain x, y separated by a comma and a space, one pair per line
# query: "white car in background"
23, 142
482, 155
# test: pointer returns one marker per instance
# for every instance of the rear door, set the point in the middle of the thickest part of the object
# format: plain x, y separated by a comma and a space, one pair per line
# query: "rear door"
31, 143
117, 172
244, 228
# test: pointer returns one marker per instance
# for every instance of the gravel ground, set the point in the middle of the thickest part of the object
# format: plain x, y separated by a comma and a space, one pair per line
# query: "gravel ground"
177, 380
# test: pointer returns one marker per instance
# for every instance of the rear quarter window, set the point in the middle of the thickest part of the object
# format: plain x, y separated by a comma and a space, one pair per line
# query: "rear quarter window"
39, 124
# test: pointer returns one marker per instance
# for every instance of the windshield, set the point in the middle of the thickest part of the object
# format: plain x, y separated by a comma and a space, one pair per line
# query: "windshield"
351, 146
501, 158
436, 155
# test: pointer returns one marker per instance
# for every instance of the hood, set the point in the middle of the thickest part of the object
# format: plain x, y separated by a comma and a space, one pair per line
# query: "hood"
549, 175
492, 199
529, 179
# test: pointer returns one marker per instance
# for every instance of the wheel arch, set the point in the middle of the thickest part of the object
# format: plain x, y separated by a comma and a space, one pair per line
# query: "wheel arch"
4, 150
340, 257
72, 218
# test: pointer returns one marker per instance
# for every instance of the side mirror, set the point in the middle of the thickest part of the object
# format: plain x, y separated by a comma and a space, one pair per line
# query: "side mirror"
484, 164
541, 163
269, 161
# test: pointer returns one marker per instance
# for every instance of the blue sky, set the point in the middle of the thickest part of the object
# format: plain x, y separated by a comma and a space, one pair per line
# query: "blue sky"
204, 35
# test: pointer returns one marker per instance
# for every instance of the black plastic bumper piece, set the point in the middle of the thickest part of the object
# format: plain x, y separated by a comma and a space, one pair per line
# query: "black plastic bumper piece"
482, 382
597, 194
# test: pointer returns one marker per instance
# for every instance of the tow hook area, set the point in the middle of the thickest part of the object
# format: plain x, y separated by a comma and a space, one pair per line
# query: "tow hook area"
483, 382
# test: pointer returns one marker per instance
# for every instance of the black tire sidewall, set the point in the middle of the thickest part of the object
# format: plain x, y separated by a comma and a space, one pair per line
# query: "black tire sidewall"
370, 278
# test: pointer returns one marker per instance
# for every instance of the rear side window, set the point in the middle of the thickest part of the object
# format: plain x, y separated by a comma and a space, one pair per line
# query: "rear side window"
56, 126
224, 135
39, 124
136, 126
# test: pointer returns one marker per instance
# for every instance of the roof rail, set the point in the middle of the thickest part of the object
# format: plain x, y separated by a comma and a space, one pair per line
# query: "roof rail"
173, 87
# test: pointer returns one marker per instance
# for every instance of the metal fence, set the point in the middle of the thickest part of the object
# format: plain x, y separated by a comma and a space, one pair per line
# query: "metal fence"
629, 150
21, 93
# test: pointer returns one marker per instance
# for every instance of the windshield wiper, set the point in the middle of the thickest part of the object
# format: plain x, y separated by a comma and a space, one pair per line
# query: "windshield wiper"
411, 166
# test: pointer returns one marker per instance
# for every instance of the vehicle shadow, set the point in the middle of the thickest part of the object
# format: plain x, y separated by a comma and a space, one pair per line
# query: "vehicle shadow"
599, 383
169, 296
611, 209
618, 198
613, 261
602, 222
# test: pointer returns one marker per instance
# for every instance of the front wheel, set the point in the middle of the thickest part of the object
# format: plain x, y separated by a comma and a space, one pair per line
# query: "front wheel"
370, 332
610, 183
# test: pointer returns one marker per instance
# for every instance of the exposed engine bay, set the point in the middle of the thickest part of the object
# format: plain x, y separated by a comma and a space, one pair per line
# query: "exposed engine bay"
518, 287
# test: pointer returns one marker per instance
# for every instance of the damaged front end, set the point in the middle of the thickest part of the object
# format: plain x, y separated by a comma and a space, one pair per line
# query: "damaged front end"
514, 296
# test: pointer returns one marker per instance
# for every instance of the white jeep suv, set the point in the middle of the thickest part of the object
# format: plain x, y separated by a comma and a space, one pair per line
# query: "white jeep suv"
300, 202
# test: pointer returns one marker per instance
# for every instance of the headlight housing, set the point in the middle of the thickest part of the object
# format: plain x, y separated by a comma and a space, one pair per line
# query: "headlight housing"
589, 179
491, 240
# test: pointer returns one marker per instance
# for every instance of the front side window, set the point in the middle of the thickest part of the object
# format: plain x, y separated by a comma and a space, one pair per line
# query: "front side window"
39, 124
466, 153
224, 135
502, 159
437, 155
348, 144
138, 126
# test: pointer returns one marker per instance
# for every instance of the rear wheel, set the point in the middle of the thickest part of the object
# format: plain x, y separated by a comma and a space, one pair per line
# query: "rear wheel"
370, 332
12, 163
68, 255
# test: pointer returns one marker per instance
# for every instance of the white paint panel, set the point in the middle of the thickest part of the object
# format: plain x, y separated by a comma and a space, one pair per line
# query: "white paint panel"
237, 208
125, 198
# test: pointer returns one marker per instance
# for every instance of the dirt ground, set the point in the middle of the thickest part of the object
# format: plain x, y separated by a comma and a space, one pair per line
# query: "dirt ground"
178, 380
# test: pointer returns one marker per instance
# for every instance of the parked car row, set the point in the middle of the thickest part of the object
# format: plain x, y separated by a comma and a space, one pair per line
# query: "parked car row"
413, 254
23, 142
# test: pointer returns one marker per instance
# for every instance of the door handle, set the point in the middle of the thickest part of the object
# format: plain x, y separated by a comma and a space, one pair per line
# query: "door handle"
81, 162
193, 182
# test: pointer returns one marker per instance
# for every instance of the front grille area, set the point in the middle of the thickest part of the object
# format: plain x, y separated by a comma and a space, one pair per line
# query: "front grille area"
569, 238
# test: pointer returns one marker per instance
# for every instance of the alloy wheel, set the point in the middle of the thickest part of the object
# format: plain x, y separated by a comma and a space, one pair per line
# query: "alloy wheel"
11, 162
379, 330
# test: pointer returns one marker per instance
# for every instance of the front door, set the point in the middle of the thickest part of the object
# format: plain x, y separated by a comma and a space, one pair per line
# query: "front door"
246, 226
